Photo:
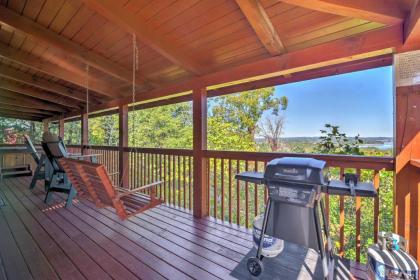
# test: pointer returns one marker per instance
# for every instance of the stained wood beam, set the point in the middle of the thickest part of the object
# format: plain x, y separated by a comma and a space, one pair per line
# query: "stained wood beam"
262, 25
51, 69
31, 80
365, 45
66, 46
39, 94
19, 109
115, 12
382, 11
20, 117
412, 25
20, 114
7, 97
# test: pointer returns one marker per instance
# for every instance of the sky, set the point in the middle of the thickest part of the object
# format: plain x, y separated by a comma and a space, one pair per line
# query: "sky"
359, 102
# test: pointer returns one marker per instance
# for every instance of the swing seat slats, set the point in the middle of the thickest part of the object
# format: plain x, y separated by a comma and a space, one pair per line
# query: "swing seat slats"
93, 179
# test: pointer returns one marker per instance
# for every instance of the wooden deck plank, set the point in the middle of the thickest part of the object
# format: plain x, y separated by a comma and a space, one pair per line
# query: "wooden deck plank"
42, 253
161, 243
79, 230
11, 258
77, 249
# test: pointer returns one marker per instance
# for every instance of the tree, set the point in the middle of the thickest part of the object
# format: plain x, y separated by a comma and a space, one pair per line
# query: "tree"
272, 129
333, 141
239, 115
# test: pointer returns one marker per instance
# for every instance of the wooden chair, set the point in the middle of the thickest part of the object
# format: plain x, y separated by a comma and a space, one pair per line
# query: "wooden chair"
56, 178
95, 178
39, 173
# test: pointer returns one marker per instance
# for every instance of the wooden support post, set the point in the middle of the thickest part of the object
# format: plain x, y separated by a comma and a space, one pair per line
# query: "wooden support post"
46, 125
407, 174
199, 145
61, 128
84, 141
123, 142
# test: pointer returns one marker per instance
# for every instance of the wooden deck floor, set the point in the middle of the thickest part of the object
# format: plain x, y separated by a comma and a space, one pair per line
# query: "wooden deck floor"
51, 242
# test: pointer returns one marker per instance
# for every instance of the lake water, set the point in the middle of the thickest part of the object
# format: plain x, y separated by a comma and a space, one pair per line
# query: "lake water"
383, 146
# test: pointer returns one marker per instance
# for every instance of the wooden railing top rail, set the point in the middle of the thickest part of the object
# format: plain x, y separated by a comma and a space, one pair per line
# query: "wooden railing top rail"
177, 152
346, 161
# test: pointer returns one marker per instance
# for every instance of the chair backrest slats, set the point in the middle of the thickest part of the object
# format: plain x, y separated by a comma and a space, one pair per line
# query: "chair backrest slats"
31, 148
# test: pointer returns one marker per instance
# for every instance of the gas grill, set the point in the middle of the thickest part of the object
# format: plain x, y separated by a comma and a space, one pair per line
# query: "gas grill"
295, 209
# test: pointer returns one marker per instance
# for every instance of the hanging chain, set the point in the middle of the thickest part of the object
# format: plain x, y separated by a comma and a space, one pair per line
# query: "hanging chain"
87, 89
133, 92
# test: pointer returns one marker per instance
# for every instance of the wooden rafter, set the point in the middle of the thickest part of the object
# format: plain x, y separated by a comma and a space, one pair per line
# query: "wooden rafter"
28, 102
412, 25
68, 47
46, 67
368, 44
39, 94
383, 11
25, 110
21, 116
115, 12
31, 80
262, 25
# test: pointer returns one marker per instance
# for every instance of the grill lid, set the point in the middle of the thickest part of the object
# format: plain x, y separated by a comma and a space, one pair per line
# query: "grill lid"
295, 170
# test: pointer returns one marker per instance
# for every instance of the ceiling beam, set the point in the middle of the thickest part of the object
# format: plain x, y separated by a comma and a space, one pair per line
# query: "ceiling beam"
388, 12
365, 45
31, 80
39, 94
54, 70
115, 12
412, 25
68, 47
12, 111
262, 25
29, 102
25, 109
20, 117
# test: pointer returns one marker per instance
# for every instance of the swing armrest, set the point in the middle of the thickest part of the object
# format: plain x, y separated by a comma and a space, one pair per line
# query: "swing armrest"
77, 156
125, 192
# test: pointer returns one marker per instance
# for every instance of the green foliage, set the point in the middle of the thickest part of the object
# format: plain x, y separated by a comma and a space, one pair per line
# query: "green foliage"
104, 130
18, 128
244, 110
333, 141
73, 132
167, 126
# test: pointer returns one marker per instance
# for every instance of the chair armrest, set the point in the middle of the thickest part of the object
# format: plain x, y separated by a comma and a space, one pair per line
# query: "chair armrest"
128, 192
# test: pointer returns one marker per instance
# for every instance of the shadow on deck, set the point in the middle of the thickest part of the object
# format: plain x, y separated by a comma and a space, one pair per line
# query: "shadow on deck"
41, 241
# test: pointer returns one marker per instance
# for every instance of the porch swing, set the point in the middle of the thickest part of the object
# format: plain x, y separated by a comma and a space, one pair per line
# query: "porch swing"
93, 181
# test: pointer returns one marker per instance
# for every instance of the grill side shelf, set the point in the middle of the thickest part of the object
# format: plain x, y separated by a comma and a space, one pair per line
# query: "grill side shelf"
251, 177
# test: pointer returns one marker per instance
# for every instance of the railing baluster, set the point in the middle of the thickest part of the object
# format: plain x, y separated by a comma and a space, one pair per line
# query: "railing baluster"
376, 183
189, 183
246, 198
184, 181
222, 189
215, 187
238, 204
179, 180
341, 251
230, 191
358, 222
173, 180
256, 192
165, 179
208, 185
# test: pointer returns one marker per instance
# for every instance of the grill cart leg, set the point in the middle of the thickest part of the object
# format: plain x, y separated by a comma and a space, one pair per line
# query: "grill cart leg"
330, 249
255, 266
318, 230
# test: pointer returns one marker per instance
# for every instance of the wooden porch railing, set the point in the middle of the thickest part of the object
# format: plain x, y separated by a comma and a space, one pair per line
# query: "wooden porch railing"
239, 202
354, 222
